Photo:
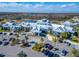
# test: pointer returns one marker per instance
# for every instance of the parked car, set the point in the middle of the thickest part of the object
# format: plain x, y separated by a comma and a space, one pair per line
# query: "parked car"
5, 33
2, 55
67, 43
0, 42
50, 54
56, 49
42, 34
23, 34
6, 43
28, 45
32, 42
45, 52
64, 52
11, 34
1, 33
61, 41
4, 39
10, 39
56, 55
48, 46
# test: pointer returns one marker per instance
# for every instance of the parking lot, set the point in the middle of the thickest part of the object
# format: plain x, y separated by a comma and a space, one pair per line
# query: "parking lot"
12, 51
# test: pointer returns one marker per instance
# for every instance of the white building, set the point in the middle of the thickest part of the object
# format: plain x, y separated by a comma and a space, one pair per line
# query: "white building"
41, 24
67, 23
62, 28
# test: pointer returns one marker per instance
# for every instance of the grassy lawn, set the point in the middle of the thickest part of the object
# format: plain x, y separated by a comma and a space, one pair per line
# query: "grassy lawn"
4, 30
75, 41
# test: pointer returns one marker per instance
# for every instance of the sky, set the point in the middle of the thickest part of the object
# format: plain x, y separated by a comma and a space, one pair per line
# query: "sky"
40, 7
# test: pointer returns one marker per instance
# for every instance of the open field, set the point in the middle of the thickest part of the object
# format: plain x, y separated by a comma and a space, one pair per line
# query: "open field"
50, 16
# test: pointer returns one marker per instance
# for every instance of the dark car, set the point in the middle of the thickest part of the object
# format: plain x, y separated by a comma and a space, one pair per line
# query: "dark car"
0, 42
1, 55
64, 42
4, 39
45, 52
10, 39
1, 33
6, 43
24, 34
36, 34
28, 45
5, 33
68, 43
48, 46
56, 55
32, 42
60, 41
56, 49
42, 34
64, 52
50, 54
11, 34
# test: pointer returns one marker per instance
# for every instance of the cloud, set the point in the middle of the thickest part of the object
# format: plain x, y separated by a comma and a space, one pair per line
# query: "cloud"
38, 7
73, 5
63, 6
7, 5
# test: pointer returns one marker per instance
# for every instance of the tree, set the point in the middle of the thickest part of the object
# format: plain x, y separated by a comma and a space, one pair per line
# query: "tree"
5, 19
75, 19
72, 21
75, 52
13, 42
65, 35
22, 54
50, 31
77, 29
26, 38
75, 39
40, 40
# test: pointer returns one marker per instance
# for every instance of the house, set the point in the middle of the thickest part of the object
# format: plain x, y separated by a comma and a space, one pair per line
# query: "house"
41, 27
67, 23
25, 26
7, 25
11, 26
57, 29
44, 23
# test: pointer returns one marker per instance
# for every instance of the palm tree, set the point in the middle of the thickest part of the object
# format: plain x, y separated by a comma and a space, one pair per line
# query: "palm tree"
52, 37
13, 42
26, 37
65, 35
77, 29
41, 40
